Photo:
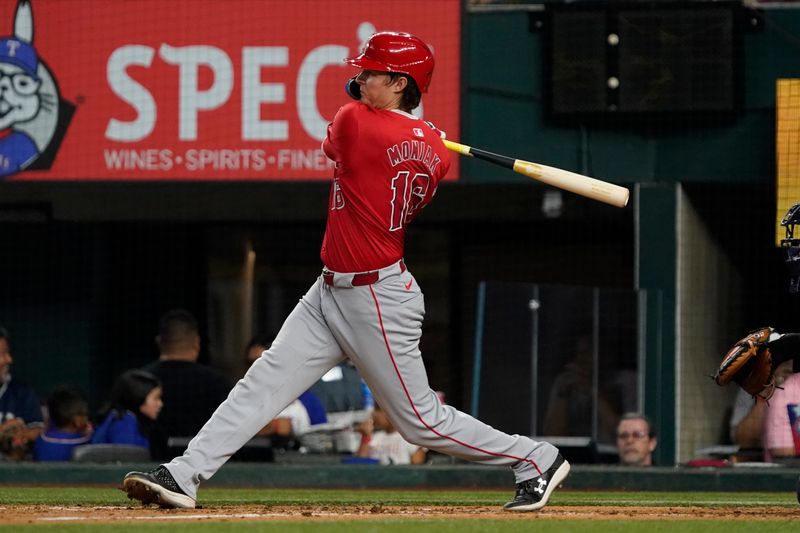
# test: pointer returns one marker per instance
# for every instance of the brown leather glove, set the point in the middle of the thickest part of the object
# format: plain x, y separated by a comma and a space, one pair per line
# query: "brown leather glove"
749, 364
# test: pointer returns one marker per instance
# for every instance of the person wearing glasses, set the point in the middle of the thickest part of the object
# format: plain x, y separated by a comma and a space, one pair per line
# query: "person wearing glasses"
636, 440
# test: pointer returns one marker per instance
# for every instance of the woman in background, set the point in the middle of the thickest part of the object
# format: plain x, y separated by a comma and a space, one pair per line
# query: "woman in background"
133, 408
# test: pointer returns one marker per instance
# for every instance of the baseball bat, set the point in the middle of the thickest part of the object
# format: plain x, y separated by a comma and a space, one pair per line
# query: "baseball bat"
595, 189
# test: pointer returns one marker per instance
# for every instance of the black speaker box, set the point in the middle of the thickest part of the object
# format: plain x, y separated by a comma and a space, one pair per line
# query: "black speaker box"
637, 61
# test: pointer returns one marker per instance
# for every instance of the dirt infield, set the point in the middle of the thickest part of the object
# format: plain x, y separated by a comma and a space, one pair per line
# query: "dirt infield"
39, 514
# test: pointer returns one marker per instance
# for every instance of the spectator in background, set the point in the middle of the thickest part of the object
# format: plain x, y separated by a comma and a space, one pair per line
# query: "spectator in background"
381, 441
636, 440
298, 417
131, 414
68, 425
571, 403
341, 389
257, 345
778, 434
191, 391
21, 419
747, 417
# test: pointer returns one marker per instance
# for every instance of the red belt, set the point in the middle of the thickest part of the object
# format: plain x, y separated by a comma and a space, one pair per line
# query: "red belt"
362, 278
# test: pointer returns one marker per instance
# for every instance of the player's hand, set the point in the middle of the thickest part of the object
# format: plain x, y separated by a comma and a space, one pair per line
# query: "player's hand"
439, 132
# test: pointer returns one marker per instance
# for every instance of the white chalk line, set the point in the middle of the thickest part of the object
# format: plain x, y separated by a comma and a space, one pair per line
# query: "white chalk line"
176, 517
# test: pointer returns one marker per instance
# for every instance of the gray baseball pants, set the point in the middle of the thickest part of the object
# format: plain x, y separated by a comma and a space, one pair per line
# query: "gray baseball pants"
378, 327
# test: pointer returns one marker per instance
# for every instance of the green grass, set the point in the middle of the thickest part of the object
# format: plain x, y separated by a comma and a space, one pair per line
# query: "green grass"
432, 526
216, 497
90, 496
428, 526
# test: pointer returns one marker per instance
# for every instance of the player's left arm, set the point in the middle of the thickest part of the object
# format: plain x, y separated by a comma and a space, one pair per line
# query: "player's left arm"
343, 132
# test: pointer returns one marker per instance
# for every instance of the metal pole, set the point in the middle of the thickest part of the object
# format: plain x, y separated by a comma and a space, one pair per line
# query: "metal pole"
480, 307
595, 361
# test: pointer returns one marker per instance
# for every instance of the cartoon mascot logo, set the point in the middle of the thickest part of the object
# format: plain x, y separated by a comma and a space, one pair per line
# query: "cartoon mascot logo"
33, 118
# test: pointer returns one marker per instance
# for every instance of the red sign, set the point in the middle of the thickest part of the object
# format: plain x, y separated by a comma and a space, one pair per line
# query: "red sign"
196, 89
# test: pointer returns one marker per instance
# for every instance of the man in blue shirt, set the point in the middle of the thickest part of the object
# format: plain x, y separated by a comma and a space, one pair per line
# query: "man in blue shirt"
21, 418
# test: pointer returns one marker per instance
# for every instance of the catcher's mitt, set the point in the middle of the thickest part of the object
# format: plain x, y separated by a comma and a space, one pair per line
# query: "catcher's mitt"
749, 364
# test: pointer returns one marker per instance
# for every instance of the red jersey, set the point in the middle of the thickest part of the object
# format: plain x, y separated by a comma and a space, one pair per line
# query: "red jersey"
388, 166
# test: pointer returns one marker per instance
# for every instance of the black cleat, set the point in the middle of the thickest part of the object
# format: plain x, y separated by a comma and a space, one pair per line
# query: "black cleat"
533, 494
157, 486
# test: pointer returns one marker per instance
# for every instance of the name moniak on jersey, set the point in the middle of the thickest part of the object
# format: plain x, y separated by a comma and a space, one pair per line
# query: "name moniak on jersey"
416, 150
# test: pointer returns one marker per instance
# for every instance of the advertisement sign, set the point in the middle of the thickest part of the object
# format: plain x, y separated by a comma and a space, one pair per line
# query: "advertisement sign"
787, 150
195, 89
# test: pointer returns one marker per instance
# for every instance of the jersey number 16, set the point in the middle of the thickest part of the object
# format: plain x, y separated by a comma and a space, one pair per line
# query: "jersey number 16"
408, 197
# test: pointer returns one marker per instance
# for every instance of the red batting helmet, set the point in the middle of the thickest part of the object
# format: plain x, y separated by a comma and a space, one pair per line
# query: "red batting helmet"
390, 51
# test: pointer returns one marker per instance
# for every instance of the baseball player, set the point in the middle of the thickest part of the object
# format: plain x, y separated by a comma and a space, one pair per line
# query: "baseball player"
365, 305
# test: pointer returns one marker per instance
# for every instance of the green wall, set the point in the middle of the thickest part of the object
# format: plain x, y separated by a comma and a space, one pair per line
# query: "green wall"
504, 112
